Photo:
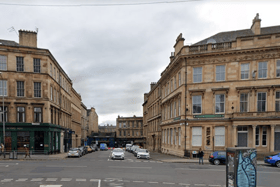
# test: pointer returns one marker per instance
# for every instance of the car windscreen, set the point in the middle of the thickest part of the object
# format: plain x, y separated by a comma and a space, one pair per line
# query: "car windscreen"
117, 150
142, 151
76, 149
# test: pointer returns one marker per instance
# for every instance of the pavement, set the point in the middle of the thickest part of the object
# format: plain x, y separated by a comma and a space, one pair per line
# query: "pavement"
176, 159
59, 156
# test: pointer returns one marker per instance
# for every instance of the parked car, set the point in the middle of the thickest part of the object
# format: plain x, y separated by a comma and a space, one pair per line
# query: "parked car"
95, 147
143, 153
273, 160
74, 152
81, 150
89, 149
136, 151
133, 148
117, 153
103, 147
217, 157
84, 150
127, 146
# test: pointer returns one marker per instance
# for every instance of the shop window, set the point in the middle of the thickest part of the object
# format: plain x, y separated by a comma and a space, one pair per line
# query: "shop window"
23, 140
8, 140
5, 112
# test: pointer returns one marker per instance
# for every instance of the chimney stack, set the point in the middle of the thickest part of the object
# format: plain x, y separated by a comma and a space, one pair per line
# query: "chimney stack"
179, 44
256, 25
28, 38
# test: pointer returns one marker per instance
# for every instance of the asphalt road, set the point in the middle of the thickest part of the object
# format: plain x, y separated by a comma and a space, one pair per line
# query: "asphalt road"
97, 170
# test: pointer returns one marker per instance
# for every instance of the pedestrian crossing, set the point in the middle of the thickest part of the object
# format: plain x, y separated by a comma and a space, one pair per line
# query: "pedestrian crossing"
137, 161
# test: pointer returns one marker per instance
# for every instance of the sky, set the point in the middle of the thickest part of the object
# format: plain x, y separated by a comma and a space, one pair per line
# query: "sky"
113, 49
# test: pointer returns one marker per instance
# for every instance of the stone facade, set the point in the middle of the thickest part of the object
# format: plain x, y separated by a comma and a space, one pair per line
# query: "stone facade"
228, 93
93, 121
129, 129
107, 128
84, 123
42, 110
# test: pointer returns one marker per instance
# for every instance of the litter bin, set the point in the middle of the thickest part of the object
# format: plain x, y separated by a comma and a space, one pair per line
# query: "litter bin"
241, 167
11, 155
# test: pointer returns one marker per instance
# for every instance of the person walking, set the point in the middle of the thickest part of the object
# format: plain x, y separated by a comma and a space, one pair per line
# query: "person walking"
200, 156
27, 153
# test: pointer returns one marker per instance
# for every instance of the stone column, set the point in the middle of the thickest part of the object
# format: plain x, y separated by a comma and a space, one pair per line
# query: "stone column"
254, 136
272, 127
234, 135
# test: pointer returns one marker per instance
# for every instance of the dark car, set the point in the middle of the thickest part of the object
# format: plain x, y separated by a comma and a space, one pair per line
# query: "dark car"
273, 160
83, 149
217, 157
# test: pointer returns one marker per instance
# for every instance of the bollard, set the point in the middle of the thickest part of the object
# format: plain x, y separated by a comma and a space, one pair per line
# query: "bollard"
15, 155
11, 155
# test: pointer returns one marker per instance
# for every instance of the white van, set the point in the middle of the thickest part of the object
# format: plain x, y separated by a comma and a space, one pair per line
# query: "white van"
128, 146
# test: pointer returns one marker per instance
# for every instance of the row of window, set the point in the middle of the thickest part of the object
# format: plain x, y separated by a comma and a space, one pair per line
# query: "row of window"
20, 88
244, 69
127, 133
168, 88
170, 136
37, 114
20, 64
244, 103
61, 80
56, 97
170, 111
134, 124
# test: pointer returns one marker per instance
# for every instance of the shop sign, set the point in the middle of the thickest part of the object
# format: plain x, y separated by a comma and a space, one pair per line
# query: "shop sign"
177, 118
35, 123
209, 116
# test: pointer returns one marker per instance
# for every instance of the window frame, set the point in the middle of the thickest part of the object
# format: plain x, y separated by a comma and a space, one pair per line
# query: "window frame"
264, 136
224, 102
20, 64
40, 115
257, 137
37, 91
261, 71
261, 101
277, 69
277, 101
3, 62
3, 88
21, 89
22, 113
197, 76
36, 65
245, 72
220, 135
219, 72
243, 102
193, 104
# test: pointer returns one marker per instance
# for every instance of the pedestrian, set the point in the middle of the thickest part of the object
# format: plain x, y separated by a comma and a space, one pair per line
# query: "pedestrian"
200, 156
27, 153
2, 148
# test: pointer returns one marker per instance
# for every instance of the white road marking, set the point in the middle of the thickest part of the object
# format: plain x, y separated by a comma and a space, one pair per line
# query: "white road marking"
183, 184
22, 180
51, 179
122, 167
66, 179
137, 181
153, 182
66, 166
50, 185
200, 184
36, 179
4, 166
207, 170
168, 183
159, 162
152, 161
81, 180
7, 180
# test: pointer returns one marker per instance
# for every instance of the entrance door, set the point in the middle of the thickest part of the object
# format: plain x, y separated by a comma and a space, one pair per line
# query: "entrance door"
39, 141
242, 139
277, 139
154, 142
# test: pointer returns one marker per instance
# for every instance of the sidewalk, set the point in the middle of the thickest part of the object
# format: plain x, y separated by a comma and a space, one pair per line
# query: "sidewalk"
59, 156
176, 159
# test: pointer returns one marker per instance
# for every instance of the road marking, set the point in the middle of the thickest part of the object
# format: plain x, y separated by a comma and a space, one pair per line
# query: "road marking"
51, 179
50, 185
81, 180
214, 185
66, 166
152, 161
66, 179
200, 184
153, 182
183, 184
146, 161
137, 181
204, 169
7, 180
168, 183
36, 179
22, 180
122, 167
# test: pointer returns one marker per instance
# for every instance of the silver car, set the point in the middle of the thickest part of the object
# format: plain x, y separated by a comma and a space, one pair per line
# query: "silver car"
117, 153
143, 153
74, 152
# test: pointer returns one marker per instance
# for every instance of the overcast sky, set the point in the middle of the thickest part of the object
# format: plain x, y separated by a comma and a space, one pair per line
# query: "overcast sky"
113, 52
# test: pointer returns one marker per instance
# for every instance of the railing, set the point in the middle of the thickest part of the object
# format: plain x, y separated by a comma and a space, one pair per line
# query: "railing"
208, 47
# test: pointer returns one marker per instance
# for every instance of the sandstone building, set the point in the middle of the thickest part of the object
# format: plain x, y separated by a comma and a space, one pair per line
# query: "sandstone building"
222, 92
129, 129
92, 120
106, 128
42, 110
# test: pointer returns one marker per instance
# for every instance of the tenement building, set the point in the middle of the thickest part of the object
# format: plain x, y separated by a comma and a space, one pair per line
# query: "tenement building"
41, 110
223, 92
84, 123
106, 128
153, 118
129, 130
92, 120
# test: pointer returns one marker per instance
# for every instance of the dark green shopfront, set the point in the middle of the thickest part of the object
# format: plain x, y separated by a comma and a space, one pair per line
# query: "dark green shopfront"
39, 138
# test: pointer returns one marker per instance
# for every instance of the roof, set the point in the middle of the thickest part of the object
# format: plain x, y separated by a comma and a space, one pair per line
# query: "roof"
8, 42
232, 35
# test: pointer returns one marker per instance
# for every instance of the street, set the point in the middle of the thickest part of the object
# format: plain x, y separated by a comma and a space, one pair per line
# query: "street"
98, 170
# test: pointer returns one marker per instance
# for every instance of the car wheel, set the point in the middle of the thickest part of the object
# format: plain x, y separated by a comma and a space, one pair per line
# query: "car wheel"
278, 164
216, 162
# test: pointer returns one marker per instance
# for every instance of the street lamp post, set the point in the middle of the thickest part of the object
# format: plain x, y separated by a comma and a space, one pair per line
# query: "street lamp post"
3, 112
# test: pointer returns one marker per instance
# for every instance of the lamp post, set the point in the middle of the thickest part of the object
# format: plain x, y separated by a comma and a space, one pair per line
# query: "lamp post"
3, 112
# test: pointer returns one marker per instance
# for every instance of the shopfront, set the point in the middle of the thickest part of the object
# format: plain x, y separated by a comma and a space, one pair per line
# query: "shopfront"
39, 139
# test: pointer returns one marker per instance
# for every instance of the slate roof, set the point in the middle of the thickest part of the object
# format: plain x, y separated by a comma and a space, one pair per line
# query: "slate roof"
232, 35
8, 42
